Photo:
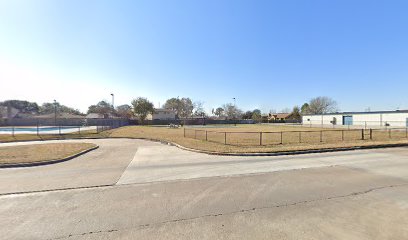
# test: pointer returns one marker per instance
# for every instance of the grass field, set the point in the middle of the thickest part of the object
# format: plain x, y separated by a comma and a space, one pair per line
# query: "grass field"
249, 141
40, 152
241, 138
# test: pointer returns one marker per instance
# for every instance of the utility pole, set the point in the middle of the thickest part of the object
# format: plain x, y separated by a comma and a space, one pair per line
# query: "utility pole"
235, 111
113, 100
55, 112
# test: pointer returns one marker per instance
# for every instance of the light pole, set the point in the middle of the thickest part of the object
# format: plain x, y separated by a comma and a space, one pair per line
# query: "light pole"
55, 112
113, 100
235, 109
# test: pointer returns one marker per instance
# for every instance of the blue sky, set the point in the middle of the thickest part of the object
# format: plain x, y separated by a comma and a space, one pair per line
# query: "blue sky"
266, 54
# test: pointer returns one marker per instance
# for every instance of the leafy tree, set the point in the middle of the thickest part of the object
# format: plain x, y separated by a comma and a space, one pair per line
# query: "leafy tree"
22, 106
219, 112
124, 111
320, 105
247, 115
101, 107
48, 108
257, 111
173, 104
142, 107
187, 107
183, 107
256, 115
296, 113
305, 108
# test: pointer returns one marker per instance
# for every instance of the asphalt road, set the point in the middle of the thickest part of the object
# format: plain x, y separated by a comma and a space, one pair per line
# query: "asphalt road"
133, 189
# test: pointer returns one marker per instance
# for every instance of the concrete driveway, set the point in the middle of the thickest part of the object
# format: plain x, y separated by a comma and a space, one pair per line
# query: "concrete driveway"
133, 189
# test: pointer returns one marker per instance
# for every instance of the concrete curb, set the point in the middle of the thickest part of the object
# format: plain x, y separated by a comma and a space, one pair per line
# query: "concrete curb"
282, 153
296, 152
33, 164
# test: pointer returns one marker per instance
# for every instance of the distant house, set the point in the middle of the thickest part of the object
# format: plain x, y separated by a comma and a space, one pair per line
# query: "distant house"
279, 116
99, 115
8, 112
162, 114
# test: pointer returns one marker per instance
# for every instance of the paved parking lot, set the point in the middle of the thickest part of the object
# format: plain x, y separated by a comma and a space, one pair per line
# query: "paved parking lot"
134, 189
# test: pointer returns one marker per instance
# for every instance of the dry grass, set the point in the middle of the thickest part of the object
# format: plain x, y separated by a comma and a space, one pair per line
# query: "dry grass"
41, 152
249, 142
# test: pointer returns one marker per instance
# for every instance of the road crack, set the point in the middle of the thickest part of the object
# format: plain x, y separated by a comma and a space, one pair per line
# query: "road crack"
148, 225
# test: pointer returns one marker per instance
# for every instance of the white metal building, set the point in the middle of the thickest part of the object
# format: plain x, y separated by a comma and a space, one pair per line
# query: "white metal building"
397, 118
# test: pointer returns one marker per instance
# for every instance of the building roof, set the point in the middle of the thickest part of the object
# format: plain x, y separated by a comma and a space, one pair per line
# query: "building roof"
280, 115
353, 113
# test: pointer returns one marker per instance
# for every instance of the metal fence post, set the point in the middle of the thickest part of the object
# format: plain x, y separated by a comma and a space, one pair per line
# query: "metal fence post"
321, 135
362, 134
79, 130
206, 136
225, 138
342, 135
184, 132
260, 138
300, 136
371, 134
12, 131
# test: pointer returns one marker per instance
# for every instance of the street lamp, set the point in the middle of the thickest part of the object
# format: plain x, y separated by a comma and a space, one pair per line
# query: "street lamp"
113, 100
235, 110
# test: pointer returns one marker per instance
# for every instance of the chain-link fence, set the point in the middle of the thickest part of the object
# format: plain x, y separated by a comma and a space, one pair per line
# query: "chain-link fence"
294, 137
39, 127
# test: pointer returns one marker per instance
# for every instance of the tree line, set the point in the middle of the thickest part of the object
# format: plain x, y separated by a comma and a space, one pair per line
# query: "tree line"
183, 108
33, 108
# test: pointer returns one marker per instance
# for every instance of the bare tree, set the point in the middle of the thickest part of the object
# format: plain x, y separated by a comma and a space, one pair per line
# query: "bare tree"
199, 109
124, 111
232, 111
320, 105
